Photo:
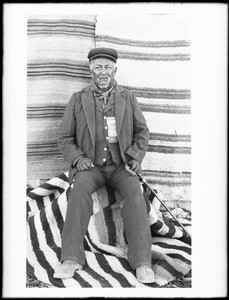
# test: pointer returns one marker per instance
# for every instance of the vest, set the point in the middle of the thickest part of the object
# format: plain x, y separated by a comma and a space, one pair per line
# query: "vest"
106, 153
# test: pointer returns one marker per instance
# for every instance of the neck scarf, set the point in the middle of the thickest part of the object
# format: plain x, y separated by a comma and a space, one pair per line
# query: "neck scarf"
101, 95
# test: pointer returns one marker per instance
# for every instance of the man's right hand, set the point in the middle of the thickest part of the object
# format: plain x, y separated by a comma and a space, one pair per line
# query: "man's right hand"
84, 164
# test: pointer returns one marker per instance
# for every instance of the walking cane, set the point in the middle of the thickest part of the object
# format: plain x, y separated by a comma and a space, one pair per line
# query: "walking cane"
165, 206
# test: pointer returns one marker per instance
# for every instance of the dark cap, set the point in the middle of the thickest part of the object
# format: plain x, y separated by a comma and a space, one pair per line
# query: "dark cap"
103, 52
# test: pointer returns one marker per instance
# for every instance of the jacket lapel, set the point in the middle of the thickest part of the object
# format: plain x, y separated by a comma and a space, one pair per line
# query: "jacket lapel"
89, 110
119, 107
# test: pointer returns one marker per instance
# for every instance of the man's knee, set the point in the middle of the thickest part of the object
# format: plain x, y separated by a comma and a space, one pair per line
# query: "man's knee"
83, 181
132, 189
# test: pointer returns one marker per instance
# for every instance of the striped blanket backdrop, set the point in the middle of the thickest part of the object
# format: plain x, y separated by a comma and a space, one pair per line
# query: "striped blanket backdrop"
57, 66
153, 62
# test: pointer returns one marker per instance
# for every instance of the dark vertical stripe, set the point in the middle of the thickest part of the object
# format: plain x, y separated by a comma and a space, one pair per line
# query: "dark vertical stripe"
41, 256
28, 209
186, 239
171, 246
172, 228
156, 227
81, 281
95, 246
48, 233
28, 190
58, 216
52, 188
180, 257
39, 199
63, 176
30, 269
86, 245
104, 283
104, 264
111, 195
164, 264
127, 267
110, 225
111, 228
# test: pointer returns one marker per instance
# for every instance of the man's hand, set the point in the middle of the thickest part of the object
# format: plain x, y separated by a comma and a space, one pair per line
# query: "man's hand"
84, 164
135, 166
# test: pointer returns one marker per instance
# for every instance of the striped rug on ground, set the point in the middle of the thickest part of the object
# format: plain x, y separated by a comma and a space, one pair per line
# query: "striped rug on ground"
105, 245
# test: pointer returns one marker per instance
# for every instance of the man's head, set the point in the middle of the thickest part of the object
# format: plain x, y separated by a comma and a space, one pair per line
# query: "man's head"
102, 63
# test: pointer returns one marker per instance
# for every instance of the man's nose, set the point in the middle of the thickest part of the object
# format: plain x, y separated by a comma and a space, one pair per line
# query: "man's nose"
103, 71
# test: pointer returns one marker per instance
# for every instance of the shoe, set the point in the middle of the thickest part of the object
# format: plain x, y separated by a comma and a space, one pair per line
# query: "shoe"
67, 269
145, 274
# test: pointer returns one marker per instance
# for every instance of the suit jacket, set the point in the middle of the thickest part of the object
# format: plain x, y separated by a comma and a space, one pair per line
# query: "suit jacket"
77, 129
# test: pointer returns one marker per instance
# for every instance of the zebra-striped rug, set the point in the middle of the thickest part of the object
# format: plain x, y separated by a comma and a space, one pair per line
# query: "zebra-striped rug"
105, 246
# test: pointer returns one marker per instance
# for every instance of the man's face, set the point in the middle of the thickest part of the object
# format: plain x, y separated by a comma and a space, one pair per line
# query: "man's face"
103, 72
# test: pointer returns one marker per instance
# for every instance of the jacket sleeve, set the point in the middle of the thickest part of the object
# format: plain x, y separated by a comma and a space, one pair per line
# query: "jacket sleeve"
67, 133
140, 139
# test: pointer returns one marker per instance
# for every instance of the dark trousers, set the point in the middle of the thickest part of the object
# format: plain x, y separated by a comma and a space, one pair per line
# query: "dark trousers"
134, 213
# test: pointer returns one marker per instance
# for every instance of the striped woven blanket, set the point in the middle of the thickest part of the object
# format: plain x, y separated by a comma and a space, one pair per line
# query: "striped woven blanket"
105, 244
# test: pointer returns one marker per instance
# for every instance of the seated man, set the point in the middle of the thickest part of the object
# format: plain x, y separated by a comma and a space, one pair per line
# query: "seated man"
103, 130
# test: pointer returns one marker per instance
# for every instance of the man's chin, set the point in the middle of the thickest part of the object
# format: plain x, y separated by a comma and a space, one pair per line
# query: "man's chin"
104, 86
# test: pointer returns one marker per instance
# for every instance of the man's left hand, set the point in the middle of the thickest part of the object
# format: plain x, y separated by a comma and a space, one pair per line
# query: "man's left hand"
135, 166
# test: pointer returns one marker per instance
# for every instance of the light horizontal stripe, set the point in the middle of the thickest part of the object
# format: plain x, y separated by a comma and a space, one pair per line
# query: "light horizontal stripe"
144, 26
173, 162
176, 124
58, 47
154, 74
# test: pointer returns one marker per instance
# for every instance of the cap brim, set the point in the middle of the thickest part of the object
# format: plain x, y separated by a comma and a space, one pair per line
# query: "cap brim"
103, 55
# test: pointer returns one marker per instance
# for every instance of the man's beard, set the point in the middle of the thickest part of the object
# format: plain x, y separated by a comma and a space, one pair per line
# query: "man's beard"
104, 85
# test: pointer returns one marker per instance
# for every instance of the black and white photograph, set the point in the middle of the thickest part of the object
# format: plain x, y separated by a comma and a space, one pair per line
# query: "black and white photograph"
108, 135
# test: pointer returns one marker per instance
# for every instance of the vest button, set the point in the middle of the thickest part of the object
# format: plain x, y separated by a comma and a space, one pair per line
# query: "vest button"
105, 149
104, 159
